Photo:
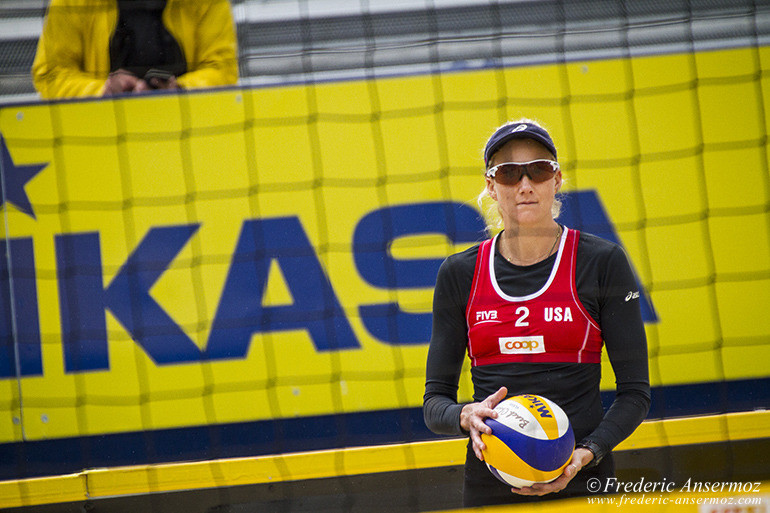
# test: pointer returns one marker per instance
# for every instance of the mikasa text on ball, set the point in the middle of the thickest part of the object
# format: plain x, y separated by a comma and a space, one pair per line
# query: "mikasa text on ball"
531, 441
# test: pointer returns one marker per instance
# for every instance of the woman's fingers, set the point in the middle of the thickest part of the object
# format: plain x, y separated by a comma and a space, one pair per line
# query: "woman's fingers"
473, 416
498, 396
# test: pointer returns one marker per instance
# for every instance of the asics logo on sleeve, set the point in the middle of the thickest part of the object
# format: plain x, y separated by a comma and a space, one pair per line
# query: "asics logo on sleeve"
632, 295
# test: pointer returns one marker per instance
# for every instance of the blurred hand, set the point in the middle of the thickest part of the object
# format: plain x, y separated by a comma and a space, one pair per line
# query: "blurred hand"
472, 419
580, 458
121, 81
159, 83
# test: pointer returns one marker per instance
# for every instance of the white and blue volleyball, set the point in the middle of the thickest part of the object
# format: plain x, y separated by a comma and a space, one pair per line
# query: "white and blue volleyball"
531, 441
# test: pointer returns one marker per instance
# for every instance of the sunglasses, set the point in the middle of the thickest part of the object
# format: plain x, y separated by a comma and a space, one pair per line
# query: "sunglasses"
510, 173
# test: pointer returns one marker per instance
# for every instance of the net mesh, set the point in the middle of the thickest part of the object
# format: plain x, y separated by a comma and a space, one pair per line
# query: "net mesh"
330, 185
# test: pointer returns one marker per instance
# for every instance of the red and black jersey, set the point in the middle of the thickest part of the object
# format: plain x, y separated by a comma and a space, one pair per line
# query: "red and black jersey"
588, 277
547, 325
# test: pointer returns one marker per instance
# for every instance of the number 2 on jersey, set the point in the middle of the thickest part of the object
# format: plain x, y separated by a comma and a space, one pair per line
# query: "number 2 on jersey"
523, 313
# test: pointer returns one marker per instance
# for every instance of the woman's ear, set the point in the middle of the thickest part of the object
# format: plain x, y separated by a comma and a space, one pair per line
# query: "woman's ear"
491, 188
558, 182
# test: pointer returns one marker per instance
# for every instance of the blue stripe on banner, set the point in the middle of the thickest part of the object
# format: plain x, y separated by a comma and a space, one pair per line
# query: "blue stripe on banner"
542, 455
61, 456
705, 398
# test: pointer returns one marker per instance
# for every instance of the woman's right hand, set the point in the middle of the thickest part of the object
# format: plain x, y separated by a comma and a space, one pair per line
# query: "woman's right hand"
472, 419
122, 81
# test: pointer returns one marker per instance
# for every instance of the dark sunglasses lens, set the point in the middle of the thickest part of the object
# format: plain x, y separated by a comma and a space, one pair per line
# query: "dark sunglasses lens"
540, 171
508, 174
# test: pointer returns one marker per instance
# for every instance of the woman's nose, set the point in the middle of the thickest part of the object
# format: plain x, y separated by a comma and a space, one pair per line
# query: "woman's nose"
526, 182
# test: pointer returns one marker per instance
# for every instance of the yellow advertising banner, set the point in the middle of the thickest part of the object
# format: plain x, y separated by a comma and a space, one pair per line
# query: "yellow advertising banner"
253, 254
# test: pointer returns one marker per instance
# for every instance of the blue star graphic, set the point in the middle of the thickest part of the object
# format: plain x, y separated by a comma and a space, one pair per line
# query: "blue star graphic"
14, 178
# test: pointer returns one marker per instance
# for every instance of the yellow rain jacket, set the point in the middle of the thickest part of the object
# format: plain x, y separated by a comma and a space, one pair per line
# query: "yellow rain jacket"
73, 56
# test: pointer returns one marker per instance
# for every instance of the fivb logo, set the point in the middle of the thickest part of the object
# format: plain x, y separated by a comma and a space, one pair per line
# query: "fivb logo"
522, 345
486, 315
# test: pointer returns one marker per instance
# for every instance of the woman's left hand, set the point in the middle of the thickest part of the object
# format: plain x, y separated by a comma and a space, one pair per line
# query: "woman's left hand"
580, 458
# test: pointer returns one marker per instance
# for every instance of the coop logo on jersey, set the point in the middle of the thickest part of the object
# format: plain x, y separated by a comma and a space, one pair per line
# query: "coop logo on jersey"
522, 345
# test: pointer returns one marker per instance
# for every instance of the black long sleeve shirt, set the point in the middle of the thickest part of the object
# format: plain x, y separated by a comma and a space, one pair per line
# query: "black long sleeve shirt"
605, 285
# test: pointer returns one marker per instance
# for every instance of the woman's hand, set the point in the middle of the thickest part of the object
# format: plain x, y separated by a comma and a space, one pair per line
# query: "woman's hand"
163, 83
472, 419
580, 458
122, 81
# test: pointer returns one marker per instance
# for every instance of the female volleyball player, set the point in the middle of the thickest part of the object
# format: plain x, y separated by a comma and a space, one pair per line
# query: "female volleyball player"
532, 307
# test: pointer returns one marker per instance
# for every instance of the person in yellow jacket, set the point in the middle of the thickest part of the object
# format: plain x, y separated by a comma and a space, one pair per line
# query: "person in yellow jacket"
106, 47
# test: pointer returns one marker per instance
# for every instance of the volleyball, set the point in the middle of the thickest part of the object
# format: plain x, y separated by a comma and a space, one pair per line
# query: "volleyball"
531, 441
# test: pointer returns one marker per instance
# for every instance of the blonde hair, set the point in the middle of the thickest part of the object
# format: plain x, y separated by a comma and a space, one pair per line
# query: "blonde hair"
491, 209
